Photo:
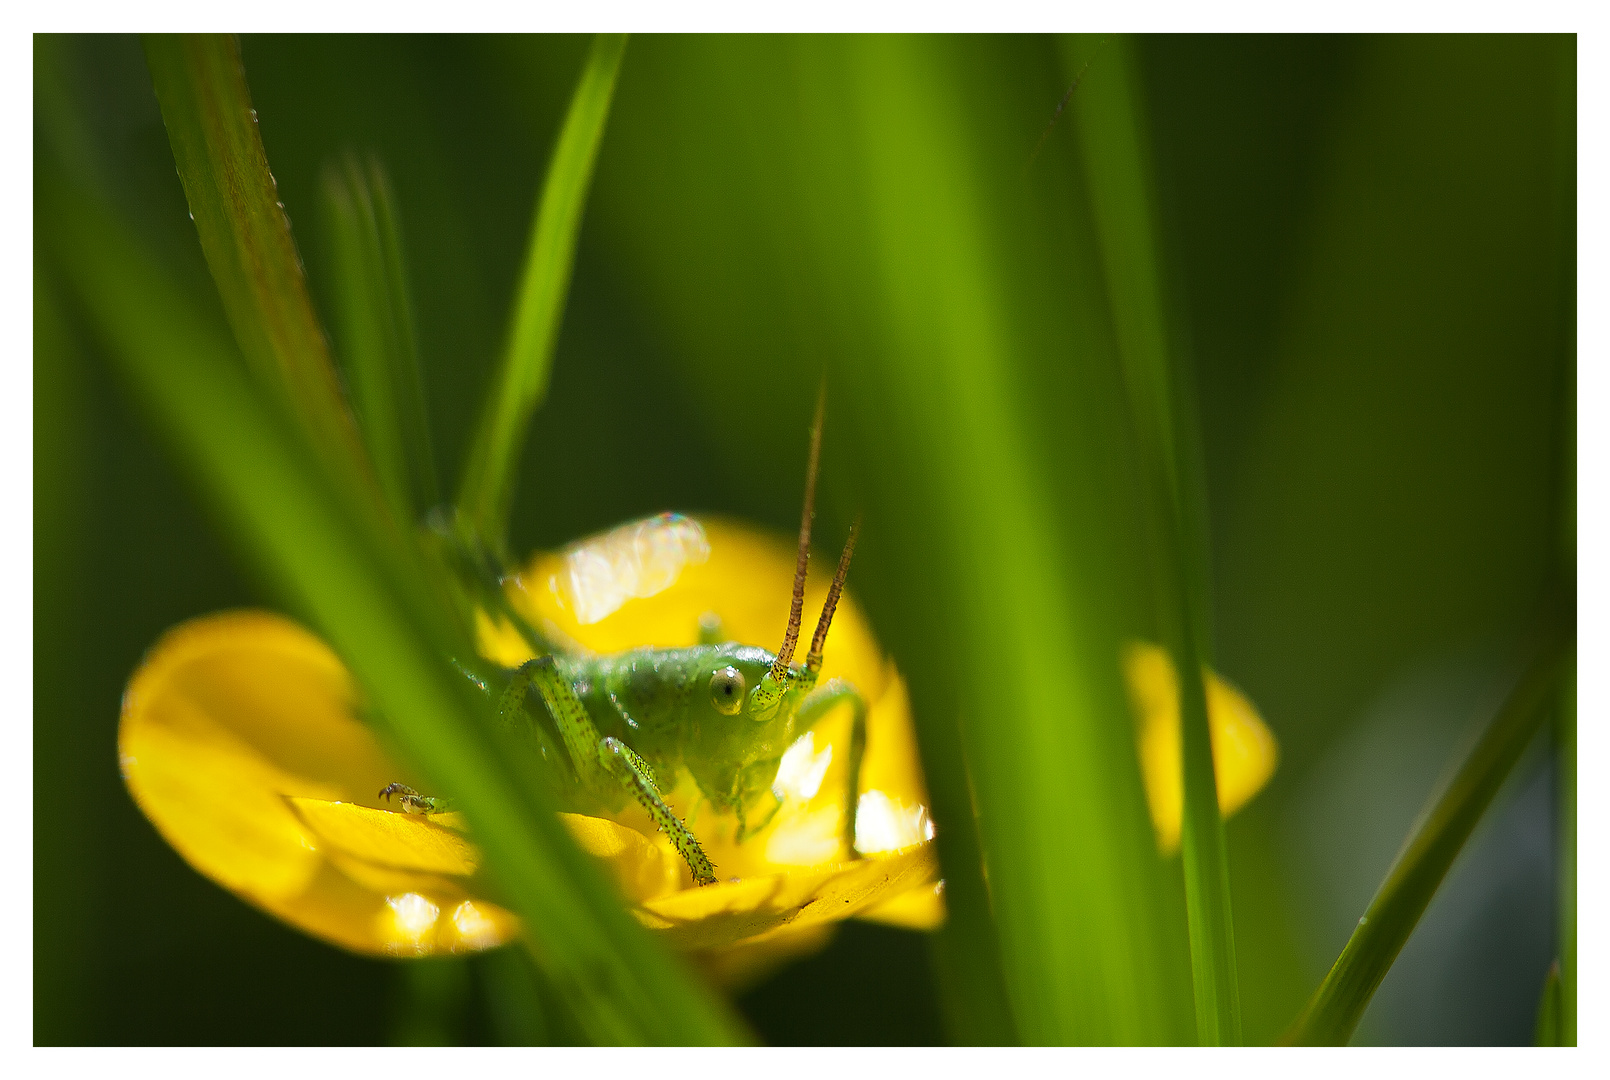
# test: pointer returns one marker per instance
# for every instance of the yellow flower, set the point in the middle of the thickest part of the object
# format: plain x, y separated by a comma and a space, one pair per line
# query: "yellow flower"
1244, 750
240, 740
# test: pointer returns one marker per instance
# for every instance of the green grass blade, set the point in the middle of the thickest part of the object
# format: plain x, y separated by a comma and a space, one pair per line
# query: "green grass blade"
1549, 1031
376, 333
1110, 126
245, 234
1444, 826
371, 602
965, 367
487, 488
1565, 763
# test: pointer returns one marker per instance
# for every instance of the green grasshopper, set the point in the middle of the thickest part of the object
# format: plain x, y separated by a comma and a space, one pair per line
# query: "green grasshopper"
724, 711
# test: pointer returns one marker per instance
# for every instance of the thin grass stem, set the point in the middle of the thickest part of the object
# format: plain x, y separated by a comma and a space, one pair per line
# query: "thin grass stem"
1110, 125
1335, 1009
377, 339
486, 491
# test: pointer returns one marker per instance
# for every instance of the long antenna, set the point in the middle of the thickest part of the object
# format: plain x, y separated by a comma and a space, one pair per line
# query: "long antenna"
796, 610
813, 659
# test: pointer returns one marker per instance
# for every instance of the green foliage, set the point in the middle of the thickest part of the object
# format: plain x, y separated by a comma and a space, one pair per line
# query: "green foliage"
366, 589
518, 388
245, 233
934, 278
1565, 885
369, 603
1156, 376
1550, 1012
1334, 1011
376, 323
1348, 258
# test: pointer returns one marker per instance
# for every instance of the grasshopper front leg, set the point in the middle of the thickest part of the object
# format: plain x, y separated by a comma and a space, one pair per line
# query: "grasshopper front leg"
413, 802
817, 704
601, 761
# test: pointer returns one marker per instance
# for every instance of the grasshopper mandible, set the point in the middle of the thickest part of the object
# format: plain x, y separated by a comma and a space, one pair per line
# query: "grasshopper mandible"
621, 725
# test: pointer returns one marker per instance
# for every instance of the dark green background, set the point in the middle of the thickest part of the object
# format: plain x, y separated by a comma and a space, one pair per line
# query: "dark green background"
1374, 247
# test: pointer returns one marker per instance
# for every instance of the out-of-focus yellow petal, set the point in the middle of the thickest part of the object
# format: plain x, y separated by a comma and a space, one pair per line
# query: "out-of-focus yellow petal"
239, 742
1244, 749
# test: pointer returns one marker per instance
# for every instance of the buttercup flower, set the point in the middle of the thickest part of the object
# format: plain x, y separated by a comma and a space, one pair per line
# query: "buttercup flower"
241, 741
651, 583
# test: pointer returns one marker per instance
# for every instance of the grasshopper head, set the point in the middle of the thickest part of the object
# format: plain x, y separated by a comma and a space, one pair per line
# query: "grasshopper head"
725, 734
746, 716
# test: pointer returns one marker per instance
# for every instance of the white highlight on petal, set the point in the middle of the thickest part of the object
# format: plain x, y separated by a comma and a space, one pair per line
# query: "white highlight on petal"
885, 824
635, 560
808, 838
413, 915
800, 772
475, 930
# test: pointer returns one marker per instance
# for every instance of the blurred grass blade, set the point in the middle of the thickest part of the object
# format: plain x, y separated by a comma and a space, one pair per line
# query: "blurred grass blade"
978, 395
373, 606
1156, 373
246, 235
376, 333
487, 488
1548, 1030
1565, 761
1443, 828
1565, 765
433, 1003
510, 986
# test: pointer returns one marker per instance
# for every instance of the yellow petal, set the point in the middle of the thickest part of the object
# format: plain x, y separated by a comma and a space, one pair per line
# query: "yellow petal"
1244, 749
240, 743
401, 841
747, 962
643, 869
914, 909
748, 909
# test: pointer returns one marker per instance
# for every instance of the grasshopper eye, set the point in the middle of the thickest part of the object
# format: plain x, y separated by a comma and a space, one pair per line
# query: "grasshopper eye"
727, 691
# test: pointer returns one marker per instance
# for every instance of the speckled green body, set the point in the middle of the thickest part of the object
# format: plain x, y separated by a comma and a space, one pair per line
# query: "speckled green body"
620, 727
658, 702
